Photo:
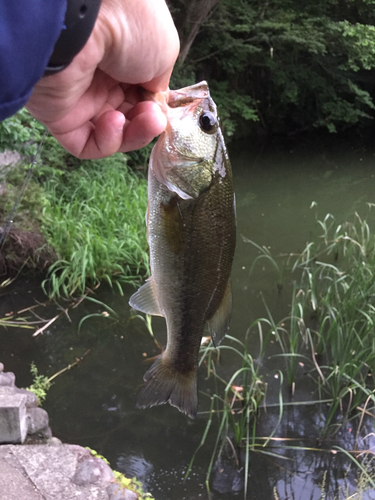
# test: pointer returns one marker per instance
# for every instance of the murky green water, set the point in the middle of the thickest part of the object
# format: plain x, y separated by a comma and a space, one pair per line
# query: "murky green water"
94, 403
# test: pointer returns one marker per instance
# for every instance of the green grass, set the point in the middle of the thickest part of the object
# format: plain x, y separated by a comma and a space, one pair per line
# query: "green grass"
331, 324
338, 299
94, 219
236, 404
21, 132
91, 212
28, 212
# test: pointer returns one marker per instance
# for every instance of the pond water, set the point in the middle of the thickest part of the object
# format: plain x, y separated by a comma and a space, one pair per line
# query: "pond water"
93, 404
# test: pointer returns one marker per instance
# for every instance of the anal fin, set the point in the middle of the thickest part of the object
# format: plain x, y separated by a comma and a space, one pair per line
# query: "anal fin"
144, 300
219, 323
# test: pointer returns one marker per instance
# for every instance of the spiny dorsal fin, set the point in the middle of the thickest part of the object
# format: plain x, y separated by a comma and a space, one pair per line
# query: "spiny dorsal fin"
144, 300
219, 323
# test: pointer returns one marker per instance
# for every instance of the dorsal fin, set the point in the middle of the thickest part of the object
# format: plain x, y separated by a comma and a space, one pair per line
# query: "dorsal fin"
144, 299
219, 323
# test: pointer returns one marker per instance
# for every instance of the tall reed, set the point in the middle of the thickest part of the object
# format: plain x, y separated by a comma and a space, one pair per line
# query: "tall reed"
330, 328
235, 404
338, 276
332, 317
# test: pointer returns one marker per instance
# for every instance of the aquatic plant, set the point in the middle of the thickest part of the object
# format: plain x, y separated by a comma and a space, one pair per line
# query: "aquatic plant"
337, 296
329, 330
41, 384
234, 414
235, 405
95, 221
291, 332
331, 322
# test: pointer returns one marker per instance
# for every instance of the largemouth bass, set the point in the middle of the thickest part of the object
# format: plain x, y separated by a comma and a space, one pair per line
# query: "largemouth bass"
191, 233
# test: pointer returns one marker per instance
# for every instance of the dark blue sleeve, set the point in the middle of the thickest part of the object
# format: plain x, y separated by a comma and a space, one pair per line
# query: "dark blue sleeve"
28, 32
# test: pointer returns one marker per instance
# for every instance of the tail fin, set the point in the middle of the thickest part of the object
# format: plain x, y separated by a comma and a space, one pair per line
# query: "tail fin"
163, 385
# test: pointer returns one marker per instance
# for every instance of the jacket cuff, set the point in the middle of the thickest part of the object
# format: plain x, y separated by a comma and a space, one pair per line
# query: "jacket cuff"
79, 22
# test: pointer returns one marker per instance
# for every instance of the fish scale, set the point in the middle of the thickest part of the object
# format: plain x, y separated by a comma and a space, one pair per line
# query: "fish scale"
191, 234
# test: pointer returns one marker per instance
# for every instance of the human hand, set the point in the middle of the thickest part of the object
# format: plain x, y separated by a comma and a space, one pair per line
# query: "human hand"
92, 107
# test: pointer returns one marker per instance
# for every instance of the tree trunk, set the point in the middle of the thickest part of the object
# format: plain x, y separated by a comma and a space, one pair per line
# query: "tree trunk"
197, 12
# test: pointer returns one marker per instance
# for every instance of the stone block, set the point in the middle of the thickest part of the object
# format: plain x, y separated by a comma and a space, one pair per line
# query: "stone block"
31, 398
38, 420
92, 470
13, 418
7, 379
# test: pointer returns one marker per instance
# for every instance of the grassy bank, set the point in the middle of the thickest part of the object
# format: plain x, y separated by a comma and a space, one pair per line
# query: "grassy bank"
90, 213
94, 218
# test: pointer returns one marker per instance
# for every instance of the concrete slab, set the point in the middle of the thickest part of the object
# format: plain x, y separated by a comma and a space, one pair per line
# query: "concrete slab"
55, 472
13, 483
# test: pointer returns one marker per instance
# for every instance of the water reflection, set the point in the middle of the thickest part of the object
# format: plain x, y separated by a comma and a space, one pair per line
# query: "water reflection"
135, 466
309, 467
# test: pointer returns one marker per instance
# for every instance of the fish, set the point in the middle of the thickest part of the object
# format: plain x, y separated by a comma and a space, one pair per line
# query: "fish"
191, 232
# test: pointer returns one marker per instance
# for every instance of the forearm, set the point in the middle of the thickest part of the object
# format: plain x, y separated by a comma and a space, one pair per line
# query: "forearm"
39, 38
28, 32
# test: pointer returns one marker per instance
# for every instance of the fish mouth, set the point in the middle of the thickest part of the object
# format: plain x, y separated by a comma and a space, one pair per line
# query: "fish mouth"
177, 98
187, 95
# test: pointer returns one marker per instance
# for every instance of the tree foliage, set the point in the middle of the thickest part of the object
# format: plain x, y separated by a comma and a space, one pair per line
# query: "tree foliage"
292, 66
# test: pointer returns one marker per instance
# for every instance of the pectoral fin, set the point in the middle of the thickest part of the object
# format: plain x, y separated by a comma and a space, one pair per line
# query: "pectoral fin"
144, 300
219, 323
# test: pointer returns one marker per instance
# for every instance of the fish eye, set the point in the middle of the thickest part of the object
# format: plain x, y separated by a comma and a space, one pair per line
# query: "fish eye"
208, 123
